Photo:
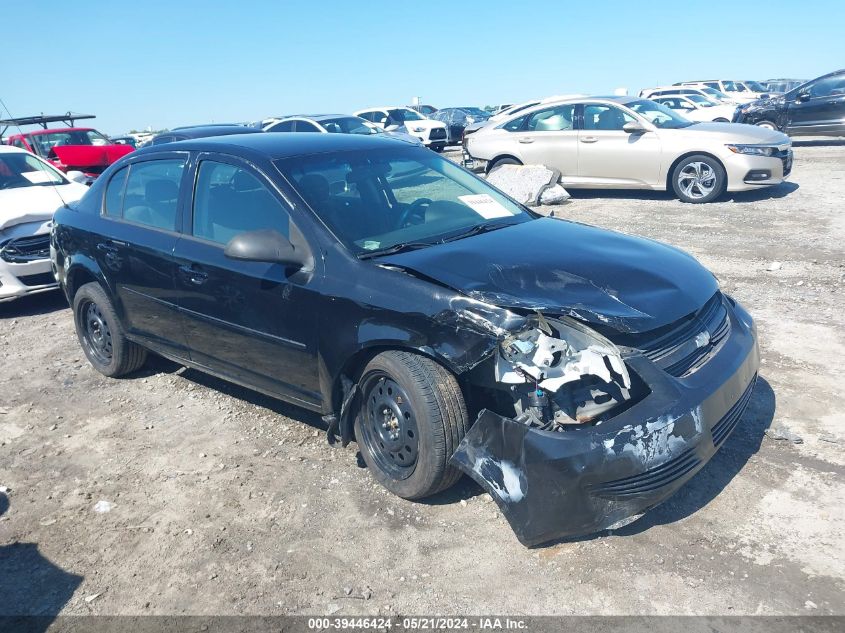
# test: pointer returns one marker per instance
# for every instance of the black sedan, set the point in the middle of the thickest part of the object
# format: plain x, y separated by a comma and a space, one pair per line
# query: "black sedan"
457, 119
580, 376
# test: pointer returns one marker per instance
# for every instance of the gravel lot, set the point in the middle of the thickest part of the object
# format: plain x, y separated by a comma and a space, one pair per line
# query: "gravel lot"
223, 501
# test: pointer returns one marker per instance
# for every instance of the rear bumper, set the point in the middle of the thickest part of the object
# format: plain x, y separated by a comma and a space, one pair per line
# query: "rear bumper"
553, 485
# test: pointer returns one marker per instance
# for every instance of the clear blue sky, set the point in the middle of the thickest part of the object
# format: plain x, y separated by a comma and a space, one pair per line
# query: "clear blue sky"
177, 62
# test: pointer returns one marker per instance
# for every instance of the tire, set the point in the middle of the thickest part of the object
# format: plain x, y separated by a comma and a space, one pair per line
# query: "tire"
699, 179
501, 161
767, 125
721, 120
411, 419
101, 335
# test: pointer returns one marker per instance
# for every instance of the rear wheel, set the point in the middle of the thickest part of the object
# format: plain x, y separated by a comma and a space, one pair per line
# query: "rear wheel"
101, 334
698, 179
721, 120
501, 161
412, 418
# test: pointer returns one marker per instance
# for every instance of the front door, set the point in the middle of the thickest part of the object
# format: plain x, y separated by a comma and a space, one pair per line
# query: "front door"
251, 322
609, 156
821, 110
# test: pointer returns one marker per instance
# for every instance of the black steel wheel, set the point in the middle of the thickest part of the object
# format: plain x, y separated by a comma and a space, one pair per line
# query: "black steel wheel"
101, 334
390, 425
411, 418
96, 335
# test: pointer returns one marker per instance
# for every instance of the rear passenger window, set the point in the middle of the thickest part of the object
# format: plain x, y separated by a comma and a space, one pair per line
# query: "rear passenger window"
229, 200
114, 194
284, 126
152, 193
557, 119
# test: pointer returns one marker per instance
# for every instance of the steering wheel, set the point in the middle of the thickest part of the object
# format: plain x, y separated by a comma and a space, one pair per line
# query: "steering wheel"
415, 209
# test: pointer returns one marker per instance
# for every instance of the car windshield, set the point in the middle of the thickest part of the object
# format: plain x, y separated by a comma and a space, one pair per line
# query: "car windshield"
400, 115
389, 199
756, 86
22, 169
347, 125
45, 142
658, 114
715, 94
700, 101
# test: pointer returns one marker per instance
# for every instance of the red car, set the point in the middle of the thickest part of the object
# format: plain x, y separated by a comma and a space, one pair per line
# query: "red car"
71, 148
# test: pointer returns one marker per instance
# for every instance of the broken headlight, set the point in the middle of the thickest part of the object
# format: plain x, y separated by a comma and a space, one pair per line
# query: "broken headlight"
562, 373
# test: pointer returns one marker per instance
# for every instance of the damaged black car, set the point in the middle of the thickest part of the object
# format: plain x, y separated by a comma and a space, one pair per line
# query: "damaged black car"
579, 375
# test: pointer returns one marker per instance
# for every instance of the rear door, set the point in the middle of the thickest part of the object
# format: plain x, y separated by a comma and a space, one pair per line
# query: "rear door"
135, 247
821, 110
549, 137
610, 157
251, 322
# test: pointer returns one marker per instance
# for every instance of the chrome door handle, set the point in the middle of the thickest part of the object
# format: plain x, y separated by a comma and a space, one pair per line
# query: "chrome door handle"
588, 139
526, 140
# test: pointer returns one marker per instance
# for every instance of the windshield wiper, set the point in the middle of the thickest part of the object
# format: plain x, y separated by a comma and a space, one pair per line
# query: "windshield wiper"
401, 247
479, 228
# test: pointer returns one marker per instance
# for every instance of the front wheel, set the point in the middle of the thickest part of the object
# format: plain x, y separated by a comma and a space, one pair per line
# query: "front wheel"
412, 418
101, 334
698, 179
768, 125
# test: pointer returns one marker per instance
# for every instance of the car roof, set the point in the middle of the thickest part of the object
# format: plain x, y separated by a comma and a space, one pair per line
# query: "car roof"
202, 131
11, 149
273, 146
390, 107
319, 117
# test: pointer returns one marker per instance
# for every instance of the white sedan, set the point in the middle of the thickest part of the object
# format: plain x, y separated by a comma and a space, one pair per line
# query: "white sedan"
697, 108
30, 191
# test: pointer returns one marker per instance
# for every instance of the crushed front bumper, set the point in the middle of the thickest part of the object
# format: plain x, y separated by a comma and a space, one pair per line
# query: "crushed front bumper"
551, 485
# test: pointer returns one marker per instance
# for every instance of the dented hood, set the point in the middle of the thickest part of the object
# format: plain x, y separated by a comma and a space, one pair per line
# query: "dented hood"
606, 278
35, 204
83, 156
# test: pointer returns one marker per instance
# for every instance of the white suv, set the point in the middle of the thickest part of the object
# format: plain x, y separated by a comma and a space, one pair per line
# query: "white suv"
431, 133
710, 94
742, 91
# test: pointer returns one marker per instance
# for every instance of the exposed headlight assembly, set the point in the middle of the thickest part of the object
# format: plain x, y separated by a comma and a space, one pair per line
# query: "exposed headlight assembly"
753, 150
562, 373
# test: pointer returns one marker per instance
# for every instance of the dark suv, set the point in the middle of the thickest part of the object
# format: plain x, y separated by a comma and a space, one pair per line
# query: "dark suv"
580, 376
815, 108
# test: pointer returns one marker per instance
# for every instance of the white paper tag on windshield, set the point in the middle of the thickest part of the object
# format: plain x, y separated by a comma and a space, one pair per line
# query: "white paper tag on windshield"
37, 177
485, 206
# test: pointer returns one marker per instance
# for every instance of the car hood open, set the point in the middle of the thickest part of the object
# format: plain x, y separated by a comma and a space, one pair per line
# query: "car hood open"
88, 156
606, 278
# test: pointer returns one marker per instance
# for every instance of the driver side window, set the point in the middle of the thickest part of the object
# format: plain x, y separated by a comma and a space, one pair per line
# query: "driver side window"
230, 200
604, 117
828, 87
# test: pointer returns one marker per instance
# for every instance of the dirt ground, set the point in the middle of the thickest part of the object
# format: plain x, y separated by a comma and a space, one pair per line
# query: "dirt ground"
223, 501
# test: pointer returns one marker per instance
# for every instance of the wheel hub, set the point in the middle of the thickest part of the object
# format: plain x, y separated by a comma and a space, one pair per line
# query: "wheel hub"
697, 180
389, 426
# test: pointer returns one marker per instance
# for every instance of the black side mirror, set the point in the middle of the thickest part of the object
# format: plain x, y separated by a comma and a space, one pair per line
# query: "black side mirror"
804, 96
265, 245
633, 127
